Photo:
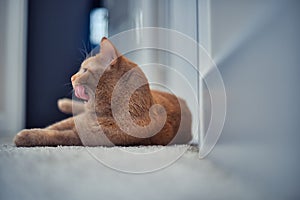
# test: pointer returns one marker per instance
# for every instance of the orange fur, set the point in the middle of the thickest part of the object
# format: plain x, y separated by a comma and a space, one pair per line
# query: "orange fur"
177, 127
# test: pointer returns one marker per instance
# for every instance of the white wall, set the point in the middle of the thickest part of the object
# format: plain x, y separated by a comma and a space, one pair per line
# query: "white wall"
183, 18
256, 47
2, 54
13, 21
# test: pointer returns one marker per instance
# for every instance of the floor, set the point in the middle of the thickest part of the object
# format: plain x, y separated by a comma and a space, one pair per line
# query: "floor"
229, 172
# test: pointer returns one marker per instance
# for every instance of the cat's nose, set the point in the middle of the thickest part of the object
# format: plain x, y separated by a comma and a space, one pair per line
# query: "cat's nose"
74, 77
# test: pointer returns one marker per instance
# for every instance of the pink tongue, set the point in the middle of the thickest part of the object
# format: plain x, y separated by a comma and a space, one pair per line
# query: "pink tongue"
80, 92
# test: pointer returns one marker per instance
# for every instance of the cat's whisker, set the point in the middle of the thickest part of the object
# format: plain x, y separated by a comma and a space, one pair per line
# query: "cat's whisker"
83, 54
70, 92
85, 50
67, 84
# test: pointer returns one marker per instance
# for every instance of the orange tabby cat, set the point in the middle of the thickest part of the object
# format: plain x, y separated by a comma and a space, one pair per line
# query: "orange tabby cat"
95, 83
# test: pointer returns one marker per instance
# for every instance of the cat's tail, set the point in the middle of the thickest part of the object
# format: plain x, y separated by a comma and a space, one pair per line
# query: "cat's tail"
66, 106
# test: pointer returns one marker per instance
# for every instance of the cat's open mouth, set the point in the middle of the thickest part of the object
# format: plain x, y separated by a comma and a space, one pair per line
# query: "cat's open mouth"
80, 92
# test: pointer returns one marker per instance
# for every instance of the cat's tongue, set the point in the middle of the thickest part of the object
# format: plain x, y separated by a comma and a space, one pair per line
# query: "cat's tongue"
80, 92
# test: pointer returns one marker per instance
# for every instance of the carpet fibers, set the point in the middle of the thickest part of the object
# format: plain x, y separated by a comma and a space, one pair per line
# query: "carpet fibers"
76, 173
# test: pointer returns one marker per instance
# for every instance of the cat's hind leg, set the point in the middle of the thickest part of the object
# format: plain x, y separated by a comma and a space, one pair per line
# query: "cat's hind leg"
117, 137
66, 124
46, 137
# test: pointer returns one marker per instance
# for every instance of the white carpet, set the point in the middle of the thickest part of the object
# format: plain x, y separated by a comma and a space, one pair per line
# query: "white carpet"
72, 173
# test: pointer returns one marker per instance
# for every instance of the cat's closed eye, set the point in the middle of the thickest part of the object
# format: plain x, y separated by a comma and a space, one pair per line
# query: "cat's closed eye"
84, 70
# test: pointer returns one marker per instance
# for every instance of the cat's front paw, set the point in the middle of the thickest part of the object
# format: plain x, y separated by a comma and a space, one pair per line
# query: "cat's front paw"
65, 105
27, 138
69, 106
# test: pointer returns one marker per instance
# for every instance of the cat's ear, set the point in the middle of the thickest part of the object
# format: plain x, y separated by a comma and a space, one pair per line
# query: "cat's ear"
108, 50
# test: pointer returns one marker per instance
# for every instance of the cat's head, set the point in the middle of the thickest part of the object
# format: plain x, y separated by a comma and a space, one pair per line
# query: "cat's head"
107, 67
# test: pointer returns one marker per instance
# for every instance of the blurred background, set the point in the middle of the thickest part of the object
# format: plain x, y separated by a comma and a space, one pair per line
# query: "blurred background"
255, 45
44, 43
